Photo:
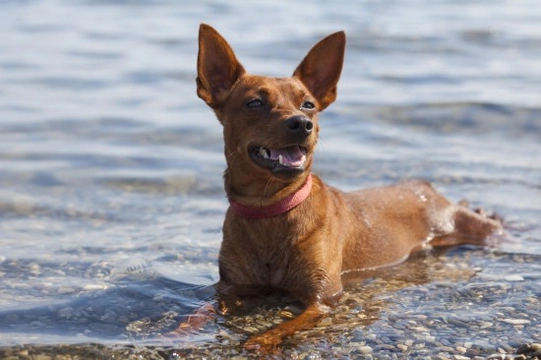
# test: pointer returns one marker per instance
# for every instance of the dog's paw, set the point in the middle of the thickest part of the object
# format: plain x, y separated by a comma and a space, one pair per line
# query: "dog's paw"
194, 323
490, 215
264, 344
183, 329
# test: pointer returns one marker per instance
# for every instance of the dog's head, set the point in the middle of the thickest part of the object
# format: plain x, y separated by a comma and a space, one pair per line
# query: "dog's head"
270, 124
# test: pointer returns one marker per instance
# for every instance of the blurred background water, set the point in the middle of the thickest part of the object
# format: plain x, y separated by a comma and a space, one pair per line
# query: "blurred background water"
111, 198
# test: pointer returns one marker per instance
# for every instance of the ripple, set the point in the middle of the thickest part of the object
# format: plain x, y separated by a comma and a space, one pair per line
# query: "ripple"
111, 189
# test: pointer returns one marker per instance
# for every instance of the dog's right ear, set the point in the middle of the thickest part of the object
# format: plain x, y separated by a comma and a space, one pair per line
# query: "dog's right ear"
217, 67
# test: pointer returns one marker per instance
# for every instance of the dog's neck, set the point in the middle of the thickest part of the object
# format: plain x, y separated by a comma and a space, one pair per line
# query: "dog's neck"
282, 206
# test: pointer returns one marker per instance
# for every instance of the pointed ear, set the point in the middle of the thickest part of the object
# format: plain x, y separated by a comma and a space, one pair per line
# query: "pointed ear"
217, 67
321, 68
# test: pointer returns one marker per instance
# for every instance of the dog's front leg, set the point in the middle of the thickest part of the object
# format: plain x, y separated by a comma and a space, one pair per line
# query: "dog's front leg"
196, 321
270, 341
200, 317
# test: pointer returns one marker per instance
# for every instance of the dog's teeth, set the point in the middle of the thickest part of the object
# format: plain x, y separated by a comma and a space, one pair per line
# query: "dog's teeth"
263, 152
281, 159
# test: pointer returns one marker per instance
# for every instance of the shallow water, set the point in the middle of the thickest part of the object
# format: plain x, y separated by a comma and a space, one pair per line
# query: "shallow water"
111, 199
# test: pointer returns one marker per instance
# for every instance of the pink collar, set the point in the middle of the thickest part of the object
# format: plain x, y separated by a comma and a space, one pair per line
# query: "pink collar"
261, 212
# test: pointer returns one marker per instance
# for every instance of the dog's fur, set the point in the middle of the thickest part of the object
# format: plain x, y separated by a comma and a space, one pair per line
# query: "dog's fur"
305, 250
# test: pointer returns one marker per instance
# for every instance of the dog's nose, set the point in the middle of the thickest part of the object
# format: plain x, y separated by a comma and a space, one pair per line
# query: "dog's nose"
300, 125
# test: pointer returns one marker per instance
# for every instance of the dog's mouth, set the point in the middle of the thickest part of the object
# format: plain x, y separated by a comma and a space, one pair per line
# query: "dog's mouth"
289, 158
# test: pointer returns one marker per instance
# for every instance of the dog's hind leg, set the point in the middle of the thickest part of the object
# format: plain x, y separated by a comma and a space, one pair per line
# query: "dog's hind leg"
470, 227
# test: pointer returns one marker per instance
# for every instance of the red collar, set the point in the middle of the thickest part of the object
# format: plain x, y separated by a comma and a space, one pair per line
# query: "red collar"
261, 212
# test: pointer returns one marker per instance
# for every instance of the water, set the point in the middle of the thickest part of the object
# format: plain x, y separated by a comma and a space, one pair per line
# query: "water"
111, 199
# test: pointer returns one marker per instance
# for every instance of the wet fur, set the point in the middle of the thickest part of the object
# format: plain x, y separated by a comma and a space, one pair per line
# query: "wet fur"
305, 250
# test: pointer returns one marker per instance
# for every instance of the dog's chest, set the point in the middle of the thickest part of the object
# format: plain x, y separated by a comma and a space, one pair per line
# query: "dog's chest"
273, 267
262, 256
277, 274
267, 267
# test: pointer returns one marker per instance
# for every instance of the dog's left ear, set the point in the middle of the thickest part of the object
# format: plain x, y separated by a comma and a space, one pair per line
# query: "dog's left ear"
320, 70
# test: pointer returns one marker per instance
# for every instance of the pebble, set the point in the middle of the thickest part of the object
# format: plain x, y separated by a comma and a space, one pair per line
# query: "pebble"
445, 342
429, 338
365, 350
485, 324
446, 349
533, 350
402, 347
94, 287
516, 321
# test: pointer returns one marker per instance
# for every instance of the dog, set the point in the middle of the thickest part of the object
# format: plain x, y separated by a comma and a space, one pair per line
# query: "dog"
285, 229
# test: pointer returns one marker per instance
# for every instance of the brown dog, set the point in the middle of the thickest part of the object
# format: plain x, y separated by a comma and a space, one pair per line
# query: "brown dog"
285, 229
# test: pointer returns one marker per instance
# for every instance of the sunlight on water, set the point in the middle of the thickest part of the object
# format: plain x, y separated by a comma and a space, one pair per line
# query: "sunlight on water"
111, 199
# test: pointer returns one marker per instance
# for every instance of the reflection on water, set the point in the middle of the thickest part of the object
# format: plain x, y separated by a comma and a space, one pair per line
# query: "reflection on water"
111, 200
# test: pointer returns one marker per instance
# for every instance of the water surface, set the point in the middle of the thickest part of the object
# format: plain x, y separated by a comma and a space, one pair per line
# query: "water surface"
111, 199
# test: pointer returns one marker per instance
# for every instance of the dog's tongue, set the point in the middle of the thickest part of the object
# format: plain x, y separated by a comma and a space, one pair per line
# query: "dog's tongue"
289, 156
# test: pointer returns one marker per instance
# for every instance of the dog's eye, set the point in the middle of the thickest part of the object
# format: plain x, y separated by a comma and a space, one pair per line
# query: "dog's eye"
254, 104
308, 105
